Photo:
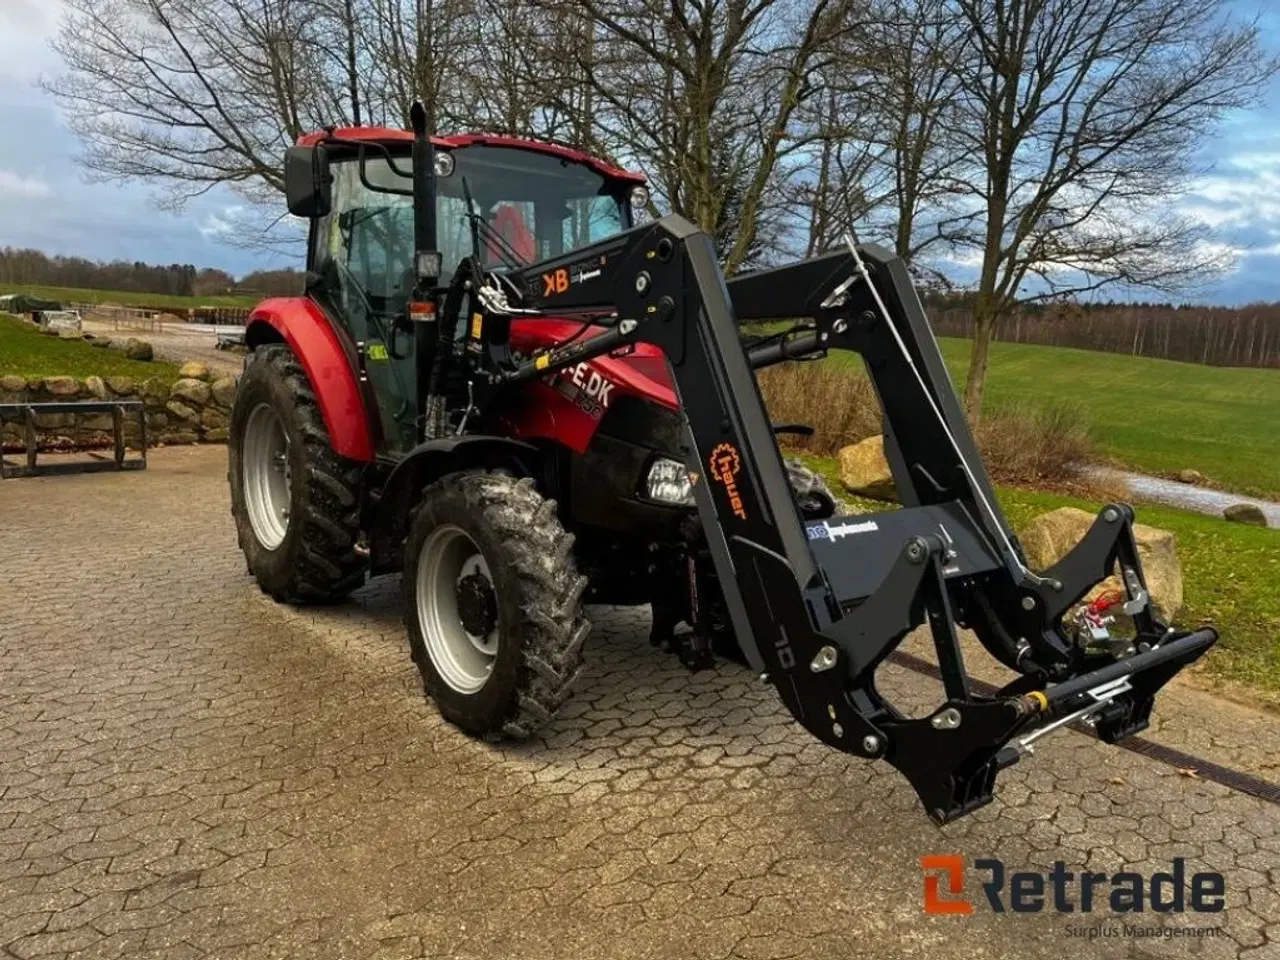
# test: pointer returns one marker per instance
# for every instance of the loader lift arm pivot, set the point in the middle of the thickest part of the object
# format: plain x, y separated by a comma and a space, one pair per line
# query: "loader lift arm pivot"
818, 605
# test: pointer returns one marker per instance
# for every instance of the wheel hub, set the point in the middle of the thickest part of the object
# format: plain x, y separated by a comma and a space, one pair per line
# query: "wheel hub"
477, 605
266, 476
457, 609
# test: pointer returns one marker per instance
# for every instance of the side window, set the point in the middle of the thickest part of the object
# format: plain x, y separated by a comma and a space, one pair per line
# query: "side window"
380, 239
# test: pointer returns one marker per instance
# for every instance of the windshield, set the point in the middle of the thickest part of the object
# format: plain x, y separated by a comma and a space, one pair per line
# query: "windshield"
538, 205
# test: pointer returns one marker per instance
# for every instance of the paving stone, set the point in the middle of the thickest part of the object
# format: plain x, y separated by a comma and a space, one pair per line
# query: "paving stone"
190, 770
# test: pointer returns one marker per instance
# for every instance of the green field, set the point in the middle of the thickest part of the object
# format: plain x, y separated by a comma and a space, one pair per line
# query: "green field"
124, 298
1230, 573
27, 352
1154, 416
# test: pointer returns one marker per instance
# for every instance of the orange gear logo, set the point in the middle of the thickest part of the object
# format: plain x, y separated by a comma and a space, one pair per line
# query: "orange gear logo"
724, 465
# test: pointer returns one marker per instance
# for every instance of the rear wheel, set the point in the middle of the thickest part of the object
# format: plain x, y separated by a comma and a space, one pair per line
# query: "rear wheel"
294, 500
493, 603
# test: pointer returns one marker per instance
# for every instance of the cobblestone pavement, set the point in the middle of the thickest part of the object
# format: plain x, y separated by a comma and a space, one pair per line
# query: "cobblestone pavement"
188, 770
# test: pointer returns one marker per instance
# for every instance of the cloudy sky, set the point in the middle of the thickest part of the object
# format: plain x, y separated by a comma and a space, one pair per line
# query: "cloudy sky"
46, 203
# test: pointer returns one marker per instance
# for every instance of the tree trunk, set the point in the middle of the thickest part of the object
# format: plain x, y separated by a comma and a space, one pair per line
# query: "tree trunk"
984, 319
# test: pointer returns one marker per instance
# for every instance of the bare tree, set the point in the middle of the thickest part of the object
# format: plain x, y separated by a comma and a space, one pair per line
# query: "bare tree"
704, 94
1083, 118
189, 93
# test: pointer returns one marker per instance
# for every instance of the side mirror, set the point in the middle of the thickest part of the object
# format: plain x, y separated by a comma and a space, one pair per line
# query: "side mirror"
308, 184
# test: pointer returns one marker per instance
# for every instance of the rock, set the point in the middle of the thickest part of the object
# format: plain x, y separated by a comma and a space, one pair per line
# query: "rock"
121, 386
66, 334
12, 383
1191, 476
155, 389
1245, 513
182, 411
193, 391
224, 391
100, 342
134, 349
179, 436
96, 386
1049, 537
217, 435
194, 370
157, 422
213, 419
865, 471
62, 386
97, 421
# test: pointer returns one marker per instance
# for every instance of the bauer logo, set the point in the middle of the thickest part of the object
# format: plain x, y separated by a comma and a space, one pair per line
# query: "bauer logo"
724, 465
1060, 890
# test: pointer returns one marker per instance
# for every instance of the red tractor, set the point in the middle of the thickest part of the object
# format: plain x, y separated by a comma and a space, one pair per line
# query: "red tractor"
501, 387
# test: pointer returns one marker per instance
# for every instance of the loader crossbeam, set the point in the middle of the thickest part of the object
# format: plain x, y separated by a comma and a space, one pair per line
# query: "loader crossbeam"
818, 606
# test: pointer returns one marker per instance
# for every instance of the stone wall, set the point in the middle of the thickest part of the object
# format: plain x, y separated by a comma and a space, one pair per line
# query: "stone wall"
193, 409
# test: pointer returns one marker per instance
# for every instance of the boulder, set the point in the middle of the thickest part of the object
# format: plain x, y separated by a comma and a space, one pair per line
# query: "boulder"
192, 391
155, 389
1049, 537
224, 391
179, 436
1245, 513
97, 421
217, 435
865, 471
213, 419
1191, 476
134, 349
12, 383
96, 386
62, 386
194, 370
182, 411
121, 386
100, 342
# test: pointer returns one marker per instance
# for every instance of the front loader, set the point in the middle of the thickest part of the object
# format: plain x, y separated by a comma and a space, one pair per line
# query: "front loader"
520, 400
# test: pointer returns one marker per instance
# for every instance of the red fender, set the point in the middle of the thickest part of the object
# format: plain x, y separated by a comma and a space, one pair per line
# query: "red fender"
307, 331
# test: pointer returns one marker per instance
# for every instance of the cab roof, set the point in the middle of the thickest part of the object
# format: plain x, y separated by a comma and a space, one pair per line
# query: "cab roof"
389, 136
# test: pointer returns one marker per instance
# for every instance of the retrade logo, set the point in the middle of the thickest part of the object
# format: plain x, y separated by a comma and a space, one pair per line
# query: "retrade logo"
944, 884
1063, 891
725, 464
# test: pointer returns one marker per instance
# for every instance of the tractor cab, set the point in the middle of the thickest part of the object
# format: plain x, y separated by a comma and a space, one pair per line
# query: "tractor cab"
508, 202
530, 200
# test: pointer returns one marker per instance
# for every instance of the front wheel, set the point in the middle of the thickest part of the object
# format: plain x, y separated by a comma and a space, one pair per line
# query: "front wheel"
294, 500
493, 603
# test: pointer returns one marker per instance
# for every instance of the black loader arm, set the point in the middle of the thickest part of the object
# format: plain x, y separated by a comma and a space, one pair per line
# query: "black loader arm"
818, 605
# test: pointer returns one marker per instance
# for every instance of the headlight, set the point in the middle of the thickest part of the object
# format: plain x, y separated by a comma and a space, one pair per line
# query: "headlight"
444, 163
668, 482
639, 198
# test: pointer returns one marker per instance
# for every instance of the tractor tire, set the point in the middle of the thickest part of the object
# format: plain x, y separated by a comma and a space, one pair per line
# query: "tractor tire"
813, 496
296, 503
493, 604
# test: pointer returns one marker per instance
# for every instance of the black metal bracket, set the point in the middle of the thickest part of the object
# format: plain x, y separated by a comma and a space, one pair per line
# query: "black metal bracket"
959, 561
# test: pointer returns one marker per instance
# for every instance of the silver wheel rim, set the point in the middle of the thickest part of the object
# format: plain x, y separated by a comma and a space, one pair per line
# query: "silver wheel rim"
463, 660
264, 456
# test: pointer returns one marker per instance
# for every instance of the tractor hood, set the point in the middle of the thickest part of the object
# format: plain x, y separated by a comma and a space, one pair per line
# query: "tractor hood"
642, 371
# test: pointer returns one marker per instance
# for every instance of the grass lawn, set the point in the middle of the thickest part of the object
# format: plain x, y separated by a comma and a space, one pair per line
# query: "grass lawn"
125, 299
1155, 416
1230, 574
27, 352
